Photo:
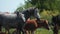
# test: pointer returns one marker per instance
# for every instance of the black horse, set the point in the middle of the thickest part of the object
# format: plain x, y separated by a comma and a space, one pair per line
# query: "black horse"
32, 11
56, 23
12, 19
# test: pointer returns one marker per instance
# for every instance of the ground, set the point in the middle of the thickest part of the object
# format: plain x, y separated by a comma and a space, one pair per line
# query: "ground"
38, 31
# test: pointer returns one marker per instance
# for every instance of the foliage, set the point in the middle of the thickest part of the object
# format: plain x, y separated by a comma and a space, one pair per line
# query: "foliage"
27, 5
43, 4
48, 14
46, 4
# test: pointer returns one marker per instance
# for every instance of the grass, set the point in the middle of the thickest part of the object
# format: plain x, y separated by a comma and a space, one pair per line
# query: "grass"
38, 31
43, 31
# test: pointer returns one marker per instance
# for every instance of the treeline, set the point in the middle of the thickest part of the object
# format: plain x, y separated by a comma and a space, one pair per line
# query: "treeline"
42, 4
47, 8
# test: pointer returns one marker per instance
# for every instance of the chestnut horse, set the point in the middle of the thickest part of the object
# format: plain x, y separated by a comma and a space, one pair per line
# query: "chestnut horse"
32, 25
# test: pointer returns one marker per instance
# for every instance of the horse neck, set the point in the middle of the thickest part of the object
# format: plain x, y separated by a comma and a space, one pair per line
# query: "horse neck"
27, 18
40, 24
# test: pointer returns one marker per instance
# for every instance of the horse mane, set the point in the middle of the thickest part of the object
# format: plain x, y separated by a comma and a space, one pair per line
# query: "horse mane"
36, 19
33, 21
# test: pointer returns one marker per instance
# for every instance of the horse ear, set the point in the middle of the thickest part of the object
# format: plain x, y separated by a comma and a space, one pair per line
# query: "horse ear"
17, 13
35, 7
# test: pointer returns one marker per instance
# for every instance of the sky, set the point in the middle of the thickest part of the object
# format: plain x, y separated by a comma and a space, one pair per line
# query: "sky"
10, 5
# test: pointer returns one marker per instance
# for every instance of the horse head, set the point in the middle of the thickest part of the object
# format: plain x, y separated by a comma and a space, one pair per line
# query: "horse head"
44, 23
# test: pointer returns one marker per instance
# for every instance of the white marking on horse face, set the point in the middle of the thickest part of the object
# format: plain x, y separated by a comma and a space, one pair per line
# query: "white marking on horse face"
23, 17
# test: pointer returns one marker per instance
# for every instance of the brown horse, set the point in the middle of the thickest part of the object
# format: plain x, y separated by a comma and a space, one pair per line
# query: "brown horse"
32, 25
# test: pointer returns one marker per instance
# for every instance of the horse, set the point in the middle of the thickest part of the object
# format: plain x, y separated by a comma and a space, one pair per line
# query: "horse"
12, 21
0, 19
32, 11
27, 14
32, 25
56, 23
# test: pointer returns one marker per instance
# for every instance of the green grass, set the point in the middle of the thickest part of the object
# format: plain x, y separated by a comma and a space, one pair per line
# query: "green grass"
43, 31
38, 31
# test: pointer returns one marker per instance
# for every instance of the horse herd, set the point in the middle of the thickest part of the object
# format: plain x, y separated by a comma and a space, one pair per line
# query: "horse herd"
9, 21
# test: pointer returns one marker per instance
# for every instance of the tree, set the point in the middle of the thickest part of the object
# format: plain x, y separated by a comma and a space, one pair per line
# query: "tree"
27, 5
44, 4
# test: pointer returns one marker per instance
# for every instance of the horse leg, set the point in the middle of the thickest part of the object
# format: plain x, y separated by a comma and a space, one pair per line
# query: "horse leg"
32, 31
18, 31
55, 30
7, 31
27, 32
14, 32
24, 31
0, 27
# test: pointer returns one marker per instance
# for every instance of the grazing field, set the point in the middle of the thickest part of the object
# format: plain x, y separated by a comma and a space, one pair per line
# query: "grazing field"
38, 31
43, 31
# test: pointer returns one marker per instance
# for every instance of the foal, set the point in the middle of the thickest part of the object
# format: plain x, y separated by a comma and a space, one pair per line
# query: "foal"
33, 24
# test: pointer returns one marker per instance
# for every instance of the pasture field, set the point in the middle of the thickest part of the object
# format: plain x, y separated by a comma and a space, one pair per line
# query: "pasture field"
44, 31
38, 31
